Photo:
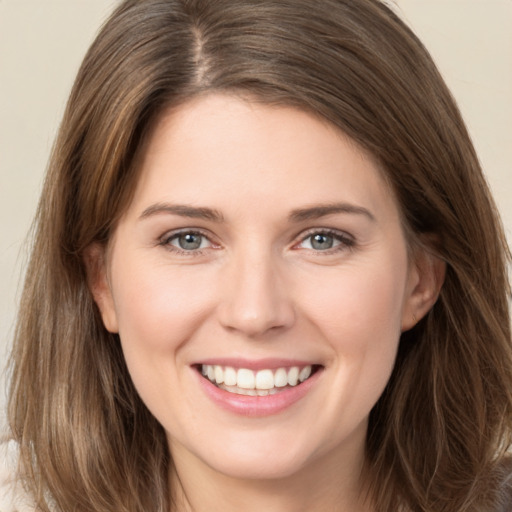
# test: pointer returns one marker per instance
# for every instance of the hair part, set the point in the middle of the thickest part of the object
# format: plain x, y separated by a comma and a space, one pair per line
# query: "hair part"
85, 437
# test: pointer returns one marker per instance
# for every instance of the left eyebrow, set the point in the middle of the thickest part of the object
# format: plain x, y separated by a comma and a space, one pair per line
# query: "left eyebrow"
322, 210
183, 210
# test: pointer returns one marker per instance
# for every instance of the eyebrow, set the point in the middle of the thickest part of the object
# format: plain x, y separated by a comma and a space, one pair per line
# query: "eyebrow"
183, 210
297, 215
318, 211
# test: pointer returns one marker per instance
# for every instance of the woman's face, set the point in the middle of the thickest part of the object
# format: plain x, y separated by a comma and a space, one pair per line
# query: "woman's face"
261, 243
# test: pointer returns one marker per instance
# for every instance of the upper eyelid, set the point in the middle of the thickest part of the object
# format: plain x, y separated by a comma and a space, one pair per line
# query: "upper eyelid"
168, 235
165, 242
166, 239
300, 237
328, 231
347, 242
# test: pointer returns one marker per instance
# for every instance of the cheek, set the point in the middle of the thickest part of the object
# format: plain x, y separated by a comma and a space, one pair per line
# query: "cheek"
157, 306
158, 310
358, 313
357, 306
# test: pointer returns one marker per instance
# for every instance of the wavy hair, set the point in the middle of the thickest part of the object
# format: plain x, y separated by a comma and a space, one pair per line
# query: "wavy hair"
438, 436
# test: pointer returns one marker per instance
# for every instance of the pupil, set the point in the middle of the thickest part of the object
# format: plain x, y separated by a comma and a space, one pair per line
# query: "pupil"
322, 242
190, 241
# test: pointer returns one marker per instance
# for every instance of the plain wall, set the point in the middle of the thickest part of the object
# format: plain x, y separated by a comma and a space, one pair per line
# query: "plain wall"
43, 41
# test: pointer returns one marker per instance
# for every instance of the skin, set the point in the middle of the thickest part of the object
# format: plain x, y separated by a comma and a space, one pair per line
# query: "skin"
257, 288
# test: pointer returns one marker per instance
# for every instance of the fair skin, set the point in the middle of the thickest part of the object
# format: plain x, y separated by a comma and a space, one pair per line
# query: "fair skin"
260, 239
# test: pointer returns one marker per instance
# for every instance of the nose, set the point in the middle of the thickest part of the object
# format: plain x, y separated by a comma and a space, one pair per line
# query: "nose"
255, 297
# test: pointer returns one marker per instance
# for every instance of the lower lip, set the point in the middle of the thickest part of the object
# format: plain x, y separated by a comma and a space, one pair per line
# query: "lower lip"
257, 406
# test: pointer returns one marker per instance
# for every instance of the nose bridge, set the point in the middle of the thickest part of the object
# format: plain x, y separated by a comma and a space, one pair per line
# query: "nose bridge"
255, 299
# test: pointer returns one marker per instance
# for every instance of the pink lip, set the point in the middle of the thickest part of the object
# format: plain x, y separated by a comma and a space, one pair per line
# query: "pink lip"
255, 364
256, 406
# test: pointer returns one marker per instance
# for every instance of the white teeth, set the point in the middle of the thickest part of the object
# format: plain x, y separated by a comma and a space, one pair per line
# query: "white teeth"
249, 392
219, 375
293, 376
261, 383
264, 379
305, 373
281, 378
245, 379
229, 376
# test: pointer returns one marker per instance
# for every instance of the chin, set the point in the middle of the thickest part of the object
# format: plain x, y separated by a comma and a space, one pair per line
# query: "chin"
260, 466
272, 452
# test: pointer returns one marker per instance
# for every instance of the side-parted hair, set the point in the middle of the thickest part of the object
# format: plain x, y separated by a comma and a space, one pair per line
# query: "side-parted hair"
438, 436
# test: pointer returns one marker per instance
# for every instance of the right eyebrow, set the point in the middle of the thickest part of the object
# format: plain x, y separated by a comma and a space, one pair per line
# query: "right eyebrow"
322, 210
183, 210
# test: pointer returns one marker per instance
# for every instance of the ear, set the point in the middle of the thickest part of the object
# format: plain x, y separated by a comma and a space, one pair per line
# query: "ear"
425, 279
97, 279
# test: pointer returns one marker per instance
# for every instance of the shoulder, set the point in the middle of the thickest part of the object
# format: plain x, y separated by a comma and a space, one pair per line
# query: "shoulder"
12, 496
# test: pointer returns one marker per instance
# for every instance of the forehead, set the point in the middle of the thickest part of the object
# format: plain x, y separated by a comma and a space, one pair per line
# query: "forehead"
223, 149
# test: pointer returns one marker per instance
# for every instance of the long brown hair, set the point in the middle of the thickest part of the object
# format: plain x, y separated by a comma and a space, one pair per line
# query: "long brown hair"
438, 434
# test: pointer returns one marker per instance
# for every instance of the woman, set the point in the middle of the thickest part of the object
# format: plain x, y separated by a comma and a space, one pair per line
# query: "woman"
267, 274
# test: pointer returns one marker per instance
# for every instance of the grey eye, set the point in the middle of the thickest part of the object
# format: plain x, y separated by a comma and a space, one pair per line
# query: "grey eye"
188, 241
325, 240
321, 242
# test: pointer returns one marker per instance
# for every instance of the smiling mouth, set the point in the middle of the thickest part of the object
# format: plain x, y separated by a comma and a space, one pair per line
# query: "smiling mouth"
243, 381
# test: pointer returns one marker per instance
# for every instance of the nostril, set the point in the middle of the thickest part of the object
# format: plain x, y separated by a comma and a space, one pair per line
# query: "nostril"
253, 303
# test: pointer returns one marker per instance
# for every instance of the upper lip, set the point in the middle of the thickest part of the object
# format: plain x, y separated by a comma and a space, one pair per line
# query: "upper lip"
256, 364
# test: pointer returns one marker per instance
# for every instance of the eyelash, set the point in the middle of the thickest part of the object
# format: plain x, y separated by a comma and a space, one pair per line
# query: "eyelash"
346, 242
166, 240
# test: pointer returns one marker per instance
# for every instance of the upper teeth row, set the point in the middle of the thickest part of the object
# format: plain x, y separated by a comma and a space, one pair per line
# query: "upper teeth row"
262, 379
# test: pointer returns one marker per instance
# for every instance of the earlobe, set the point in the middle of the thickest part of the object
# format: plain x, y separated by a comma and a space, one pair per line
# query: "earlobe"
97, 281
426, 277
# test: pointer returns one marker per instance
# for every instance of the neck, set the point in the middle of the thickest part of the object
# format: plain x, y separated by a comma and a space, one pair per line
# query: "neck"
325, 484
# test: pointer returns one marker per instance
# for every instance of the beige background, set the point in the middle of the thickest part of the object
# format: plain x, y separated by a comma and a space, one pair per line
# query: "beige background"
42, 43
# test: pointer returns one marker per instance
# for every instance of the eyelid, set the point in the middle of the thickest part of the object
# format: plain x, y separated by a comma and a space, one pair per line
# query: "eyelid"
347, 241
166, 238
